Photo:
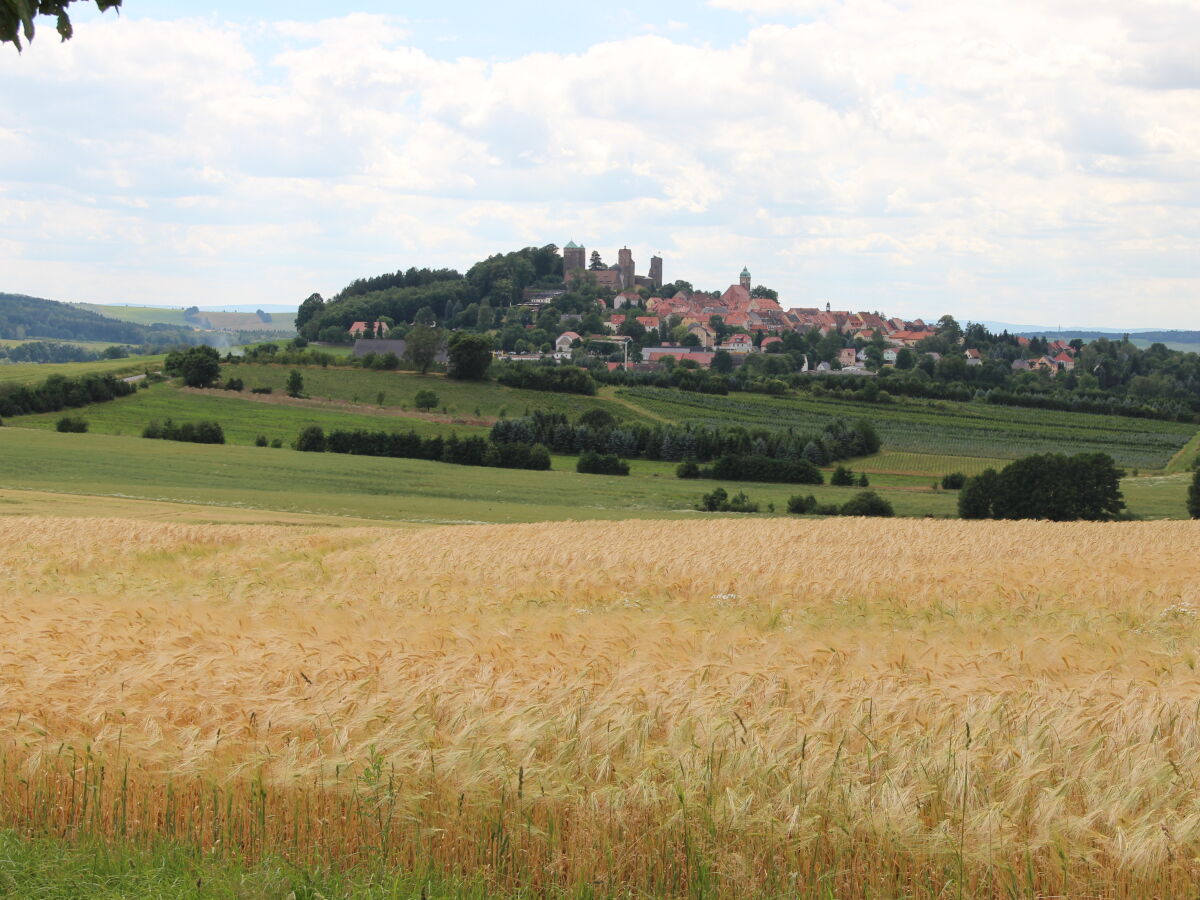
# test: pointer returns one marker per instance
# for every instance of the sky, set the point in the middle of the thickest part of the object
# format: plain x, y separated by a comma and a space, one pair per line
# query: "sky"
1016, 161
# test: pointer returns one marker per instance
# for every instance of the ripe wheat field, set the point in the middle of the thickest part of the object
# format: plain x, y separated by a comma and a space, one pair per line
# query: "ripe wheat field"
734, 708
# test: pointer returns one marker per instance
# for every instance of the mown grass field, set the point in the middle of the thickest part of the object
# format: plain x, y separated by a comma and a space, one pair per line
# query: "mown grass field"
399, 389
31, 373
718, 708
938, 427
367, 487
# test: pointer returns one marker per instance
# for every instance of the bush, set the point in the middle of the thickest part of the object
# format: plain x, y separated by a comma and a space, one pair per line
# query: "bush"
842, 477
720, 501
234, 384
689, 468
1193, 497
867, 503
277, 443
954, 481
310, 440
187, 432
260, 390
260, 441
799, 506
72, 424
426, 400
828, 509
592, 463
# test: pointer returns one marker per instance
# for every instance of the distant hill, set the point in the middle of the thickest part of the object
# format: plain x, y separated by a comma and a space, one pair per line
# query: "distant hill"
1149, 337
212, 319
23, 317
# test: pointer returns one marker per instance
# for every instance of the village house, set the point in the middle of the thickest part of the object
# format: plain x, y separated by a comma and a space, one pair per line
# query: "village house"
1065, 361
368, 329
890, 354
974, 357
770, 341
707, 336
738, 343
649, 322
847, 356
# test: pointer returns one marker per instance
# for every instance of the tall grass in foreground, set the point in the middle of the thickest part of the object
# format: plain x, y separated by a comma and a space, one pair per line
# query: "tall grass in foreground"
833, 709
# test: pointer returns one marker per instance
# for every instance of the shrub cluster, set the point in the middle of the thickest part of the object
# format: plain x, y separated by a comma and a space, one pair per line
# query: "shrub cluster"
954, 481
470, 451
592, 463
72, 424
1047, 486
866, 503
749, 467
190, 432
59, 392
720, 501
562, 379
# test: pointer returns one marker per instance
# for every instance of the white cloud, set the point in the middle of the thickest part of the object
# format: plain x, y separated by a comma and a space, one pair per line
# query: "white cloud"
1010, 161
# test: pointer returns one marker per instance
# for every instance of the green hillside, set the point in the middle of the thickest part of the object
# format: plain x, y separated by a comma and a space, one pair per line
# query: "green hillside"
23, 318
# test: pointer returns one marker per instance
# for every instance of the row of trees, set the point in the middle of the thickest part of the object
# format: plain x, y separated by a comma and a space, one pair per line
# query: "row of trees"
469, 451
598, 430
59, 392
189, 432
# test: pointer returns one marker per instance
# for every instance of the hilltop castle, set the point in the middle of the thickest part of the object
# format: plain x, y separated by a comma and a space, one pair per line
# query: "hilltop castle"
620, 277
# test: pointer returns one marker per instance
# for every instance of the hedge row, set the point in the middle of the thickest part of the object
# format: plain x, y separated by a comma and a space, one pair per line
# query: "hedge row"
470, 451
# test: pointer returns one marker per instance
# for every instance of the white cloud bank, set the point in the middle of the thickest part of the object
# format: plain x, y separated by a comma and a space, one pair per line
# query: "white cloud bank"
1017, 161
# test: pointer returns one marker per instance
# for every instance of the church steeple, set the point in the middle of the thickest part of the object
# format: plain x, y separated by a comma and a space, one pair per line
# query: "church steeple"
744, 279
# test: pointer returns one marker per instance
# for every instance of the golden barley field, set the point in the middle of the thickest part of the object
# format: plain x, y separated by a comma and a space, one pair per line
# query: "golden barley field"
722, 708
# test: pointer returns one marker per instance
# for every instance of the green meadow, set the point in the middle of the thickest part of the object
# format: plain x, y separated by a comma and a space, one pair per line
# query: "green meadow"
113, 460
32, 373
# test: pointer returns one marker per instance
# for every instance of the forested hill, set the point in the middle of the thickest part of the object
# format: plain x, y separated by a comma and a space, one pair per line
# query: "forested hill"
24, 317
444, 295
1163, 337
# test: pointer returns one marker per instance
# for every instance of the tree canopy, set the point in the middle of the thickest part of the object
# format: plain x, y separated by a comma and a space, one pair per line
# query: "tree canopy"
17, 17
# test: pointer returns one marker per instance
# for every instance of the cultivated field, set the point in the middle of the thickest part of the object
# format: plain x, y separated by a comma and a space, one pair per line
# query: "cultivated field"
938, 426
761, 708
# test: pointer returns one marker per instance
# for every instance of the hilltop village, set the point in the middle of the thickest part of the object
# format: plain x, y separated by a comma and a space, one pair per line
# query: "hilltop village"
647, 323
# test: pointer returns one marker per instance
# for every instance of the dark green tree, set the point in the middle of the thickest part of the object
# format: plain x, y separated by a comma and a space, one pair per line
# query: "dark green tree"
1193, 496
197, 366
16, 17
295, 383
722, 362
425, 400
309, 309
470, 355
975, 500
422, 344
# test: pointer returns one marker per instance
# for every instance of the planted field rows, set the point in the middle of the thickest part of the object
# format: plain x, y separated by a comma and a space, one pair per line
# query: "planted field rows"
774, 708
937, 427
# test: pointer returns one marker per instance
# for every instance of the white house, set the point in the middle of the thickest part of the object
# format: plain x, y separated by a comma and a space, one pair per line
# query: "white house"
739, 343
564, 341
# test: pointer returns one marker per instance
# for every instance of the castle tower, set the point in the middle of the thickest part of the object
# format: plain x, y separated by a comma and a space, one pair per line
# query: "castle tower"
574, 257
625, 264
744, 279
656, 276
